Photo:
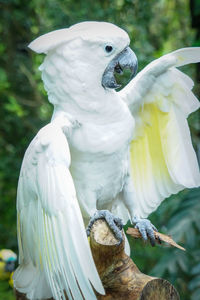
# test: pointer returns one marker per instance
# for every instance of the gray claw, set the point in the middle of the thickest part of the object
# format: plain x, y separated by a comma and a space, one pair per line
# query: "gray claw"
114, 223
154, 228
146, 229
118, 222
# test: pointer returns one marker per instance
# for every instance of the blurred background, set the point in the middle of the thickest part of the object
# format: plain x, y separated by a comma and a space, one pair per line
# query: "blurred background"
155, 28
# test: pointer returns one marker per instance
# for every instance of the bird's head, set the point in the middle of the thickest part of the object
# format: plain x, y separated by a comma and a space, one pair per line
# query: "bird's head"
83, 57
7, 263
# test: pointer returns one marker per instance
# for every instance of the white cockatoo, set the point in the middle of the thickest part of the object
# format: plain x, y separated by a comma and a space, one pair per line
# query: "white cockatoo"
104, 154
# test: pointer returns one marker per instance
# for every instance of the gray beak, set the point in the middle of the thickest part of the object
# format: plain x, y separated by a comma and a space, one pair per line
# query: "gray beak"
124, 60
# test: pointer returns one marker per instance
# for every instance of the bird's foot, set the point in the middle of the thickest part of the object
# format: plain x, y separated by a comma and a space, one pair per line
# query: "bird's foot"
113, 222
146, 229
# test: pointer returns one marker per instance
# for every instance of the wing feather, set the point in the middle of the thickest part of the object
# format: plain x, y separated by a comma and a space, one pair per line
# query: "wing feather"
163, 160
51, 230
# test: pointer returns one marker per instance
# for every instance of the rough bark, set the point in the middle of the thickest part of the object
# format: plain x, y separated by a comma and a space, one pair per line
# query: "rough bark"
121, 278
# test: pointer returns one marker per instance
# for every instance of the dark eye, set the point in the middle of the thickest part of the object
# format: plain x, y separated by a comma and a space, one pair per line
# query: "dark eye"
108, 48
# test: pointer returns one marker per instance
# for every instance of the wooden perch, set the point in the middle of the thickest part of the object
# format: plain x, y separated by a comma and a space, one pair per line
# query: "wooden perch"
134, 232
121, 278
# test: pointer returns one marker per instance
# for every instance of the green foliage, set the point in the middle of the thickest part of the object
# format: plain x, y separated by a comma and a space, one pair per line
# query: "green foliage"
155, 27
184, 226
6, 293
179, 217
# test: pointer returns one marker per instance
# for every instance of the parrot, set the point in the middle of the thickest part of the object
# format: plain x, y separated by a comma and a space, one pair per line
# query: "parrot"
7, 263
106, 153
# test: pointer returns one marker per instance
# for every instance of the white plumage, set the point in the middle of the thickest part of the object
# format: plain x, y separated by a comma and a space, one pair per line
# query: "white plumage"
123, 151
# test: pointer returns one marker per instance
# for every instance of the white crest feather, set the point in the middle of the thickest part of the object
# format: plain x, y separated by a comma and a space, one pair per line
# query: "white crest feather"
49, 41
84, 30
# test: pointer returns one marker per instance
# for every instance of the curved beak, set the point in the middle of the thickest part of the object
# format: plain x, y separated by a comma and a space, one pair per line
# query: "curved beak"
124, 60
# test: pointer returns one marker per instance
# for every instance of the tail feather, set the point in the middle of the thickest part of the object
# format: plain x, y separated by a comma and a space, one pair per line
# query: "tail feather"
30, 281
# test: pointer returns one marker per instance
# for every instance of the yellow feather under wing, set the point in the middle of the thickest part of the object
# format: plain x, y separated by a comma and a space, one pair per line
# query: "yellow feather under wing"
162, 158
178, 151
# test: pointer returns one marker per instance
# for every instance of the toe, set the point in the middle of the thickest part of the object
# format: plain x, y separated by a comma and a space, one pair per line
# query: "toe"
114, 223
119, 223
88, 232
147, 230
142, 231
154, 228
114, 227
151, 235
118, 235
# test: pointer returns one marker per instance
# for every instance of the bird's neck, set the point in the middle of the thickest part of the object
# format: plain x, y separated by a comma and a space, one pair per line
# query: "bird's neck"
87, 106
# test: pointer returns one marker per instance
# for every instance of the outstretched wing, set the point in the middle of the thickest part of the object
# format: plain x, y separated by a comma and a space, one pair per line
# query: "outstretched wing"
162, 157
53, 245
